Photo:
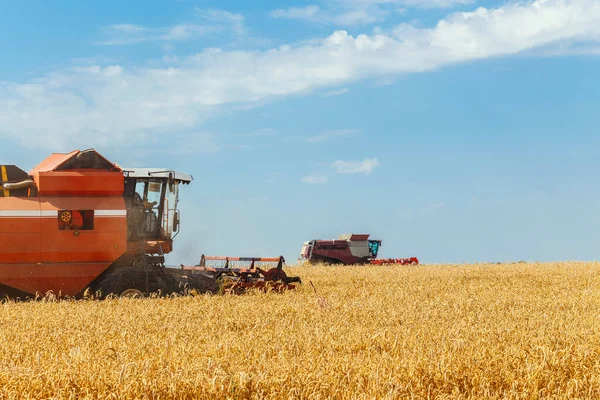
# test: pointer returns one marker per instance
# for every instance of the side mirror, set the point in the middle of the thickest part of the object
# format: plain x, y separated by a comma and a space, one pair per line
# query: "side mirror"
176, 221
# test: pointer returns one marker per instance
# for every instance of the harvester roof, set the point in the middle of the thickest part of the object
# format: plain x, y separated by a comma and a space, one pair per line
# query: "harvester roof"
354, 236
76, 159
157, 173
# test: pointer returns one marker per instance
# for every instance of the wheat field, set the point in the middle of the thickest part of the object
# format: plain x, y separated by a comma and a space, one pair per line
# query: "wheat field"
430, 331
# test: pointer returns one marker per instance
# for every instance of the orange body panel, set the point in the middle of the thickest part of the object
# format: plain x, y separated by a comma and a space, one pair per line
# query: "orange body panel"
106, 242
20, 231
54, 160
65, 247
19, 225
20, 248
36, 256
79, 183
75, 203
63, 279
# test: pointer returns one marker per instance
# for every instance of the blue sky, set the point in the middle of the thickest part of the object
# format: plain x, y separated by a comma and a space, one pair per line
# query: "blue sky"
454, 130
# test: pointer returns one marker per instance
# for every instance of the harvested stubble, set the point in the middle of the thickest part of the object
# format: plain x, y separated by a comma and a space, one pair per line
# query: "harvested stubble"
468, 331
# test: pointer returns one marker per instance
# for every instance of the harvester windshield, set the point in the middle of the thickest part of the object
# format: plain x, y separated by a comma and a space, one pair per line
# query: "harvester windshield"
374, 247
152, 197
145, 207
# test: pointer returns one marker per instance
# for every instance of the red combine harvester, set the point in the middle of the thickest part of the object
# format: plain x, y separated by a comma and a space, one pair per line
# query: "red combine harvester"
78, 222
349, 249
238, 273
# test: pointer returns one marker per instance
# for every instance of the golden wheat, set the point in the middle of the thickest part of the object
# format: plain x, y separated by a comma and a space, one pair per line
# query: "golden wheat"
439, 331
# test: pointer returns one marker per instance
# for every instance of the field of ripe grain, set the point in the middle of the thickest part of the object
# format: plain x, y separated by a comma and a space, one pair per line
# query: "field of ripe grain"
468, 331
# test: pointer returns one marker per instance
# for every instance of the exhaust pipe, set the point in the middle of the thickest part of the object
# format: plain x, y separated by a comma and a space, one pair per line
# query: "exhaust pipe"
18, 185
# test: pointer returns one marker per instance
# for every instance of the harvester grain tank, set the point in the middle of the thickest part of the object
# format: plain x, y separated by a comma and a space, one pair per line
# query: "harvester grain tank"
79, 223
348, 249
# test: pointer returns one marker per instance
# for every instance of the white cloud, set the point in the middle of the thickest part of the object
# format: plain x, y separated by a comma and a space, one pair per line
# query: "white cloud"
258, 133
359, 12
128, 28
121, 34
222, 17
206, 21
355, 167
307, 12
184, 32
359, 17
338, 92
315, 179
112, 105
345, 15
418, 3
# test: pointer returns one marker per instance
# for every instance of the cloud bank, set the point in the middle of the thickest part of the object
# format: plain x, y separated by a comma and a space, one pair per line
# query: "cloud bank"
111, 105
366, 166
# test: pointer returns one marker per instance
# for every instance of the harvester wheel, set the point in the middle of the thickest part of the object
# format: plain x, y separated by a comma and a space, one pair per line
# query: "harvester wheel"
275, 274
123, 280
137, 278
132, 294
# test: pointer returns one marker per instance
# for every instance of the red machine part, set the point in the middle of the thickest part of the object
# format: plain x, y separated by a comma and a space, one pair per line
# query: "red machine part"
237, 280
401, 261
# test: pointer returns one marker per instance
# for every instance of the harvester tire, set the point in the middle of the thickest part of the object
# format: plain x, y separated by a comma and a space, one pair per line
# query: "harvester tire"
132, 294
165, 281
123, 280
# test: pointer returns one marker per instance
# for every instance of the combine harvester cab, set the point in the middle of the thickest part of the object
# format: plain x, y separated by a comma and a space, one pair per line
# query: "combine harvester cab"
79, 224
237, 274
348, 249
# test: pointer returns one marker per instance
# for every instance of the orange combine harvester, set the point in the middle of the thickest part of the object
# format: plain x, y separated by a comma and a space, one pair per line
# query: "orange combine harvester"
78, 222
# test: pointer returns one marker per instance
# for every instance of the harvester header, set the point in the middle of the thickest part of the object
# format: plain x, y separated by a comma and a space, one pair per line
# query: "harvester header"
240, 273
